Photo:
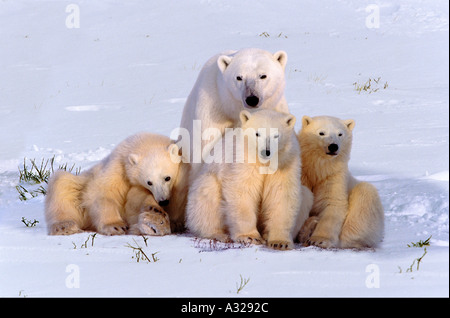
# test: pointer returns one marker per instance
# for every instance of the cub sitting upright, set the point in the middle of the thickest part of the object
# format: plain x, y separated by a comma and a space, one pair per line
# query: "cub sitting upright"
228, 83
96, 199
246, 193
346, 213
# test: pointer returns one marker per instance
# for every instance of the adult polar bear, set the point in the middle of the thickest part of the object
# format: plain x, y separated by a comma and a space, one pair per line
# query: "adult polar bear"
228, 83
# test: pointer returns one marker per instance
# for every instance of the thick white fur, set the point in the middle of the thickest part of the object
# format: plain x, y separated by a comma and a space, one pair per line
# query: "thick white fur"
237, 200
218, 97
346, 213
96, 199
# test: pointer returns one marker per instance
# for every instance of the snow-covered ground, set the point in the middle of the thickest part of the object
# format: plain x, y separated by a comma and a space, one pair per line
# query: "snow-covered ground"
76, 92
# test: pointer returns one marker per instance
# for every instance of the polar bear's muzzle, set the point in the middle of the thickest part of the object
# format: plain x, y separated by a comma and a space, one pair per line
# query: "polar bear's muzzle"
265, 153
333, 149
252, 101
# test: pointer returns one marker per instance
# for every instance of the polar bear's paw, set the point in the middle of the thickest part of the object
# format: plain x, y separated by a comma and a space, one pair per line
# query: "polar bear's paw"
154, 221
320, 241
116, 228
307, 230
250, 239
220, 237
64, 228
280, 244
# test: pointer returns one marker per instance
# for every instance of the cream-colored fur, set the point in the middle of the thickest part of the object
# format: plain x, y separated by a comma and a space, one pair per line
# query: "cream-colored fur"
144, 215
218, 96
96, 199
252, 201
346, 213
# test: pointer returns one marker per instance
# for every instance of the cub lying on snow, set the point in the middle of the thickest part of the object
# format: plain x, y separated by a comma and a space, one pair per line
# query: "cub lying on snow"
346, 213
124, 191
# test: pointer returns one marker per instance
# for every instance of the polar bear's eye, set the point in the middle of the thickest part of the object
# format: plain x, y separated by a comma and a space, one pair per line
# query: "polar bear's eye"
257, 134
149, 183
340, 134
263, 76
167, 179
322, 133
239, 78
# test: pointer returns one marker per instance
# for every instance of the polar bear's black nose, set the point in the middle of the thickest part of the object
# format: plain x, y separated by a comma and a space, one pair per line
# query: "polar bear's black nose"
252, 100
163, 203
265, 153
332, 148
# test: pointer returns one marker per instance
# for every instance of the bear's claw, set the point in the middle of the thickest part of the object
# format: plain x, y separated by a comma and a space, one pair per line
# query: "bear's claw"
119, 228
322, 242
154, 221
64, 228
280, 245
250, 239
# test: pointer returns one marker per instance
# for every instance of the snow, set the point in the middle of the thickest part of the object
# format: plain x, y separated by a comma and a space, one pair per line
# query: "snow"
75, 93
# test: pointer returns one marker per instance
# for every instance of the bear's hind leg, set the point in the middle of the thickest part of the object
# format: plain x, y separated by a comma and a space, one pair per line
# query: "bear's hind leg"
364, 223
63, 212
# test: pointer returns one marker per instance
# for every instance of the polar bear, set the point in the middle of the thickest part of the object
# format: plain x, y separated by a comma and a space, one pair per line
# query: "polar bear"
228, 83
346, 213
254, 187
96, 199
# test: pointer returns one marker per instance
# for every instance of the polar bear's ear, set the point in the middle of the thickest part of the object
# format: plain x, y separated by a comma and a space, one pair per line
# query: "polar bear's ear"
306, 120
244, 116
174, 153
290, 121
281, 57
350, 123
133, 159
223, 61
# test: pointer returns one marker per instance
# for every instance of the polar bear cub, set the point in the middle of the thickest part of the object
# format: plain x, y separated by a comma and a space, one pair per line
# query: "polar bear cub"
346, 213
254, 186
140, 173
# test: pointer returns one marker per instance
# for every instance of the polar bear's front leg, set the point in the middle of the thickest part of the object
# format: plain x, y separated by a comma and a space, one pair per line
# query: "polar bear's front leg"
307, 229
153, 221
241, 215
326, 234
331, 201
281, 203
177, 206
242, 194
104, 200
144, 215
106, 217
